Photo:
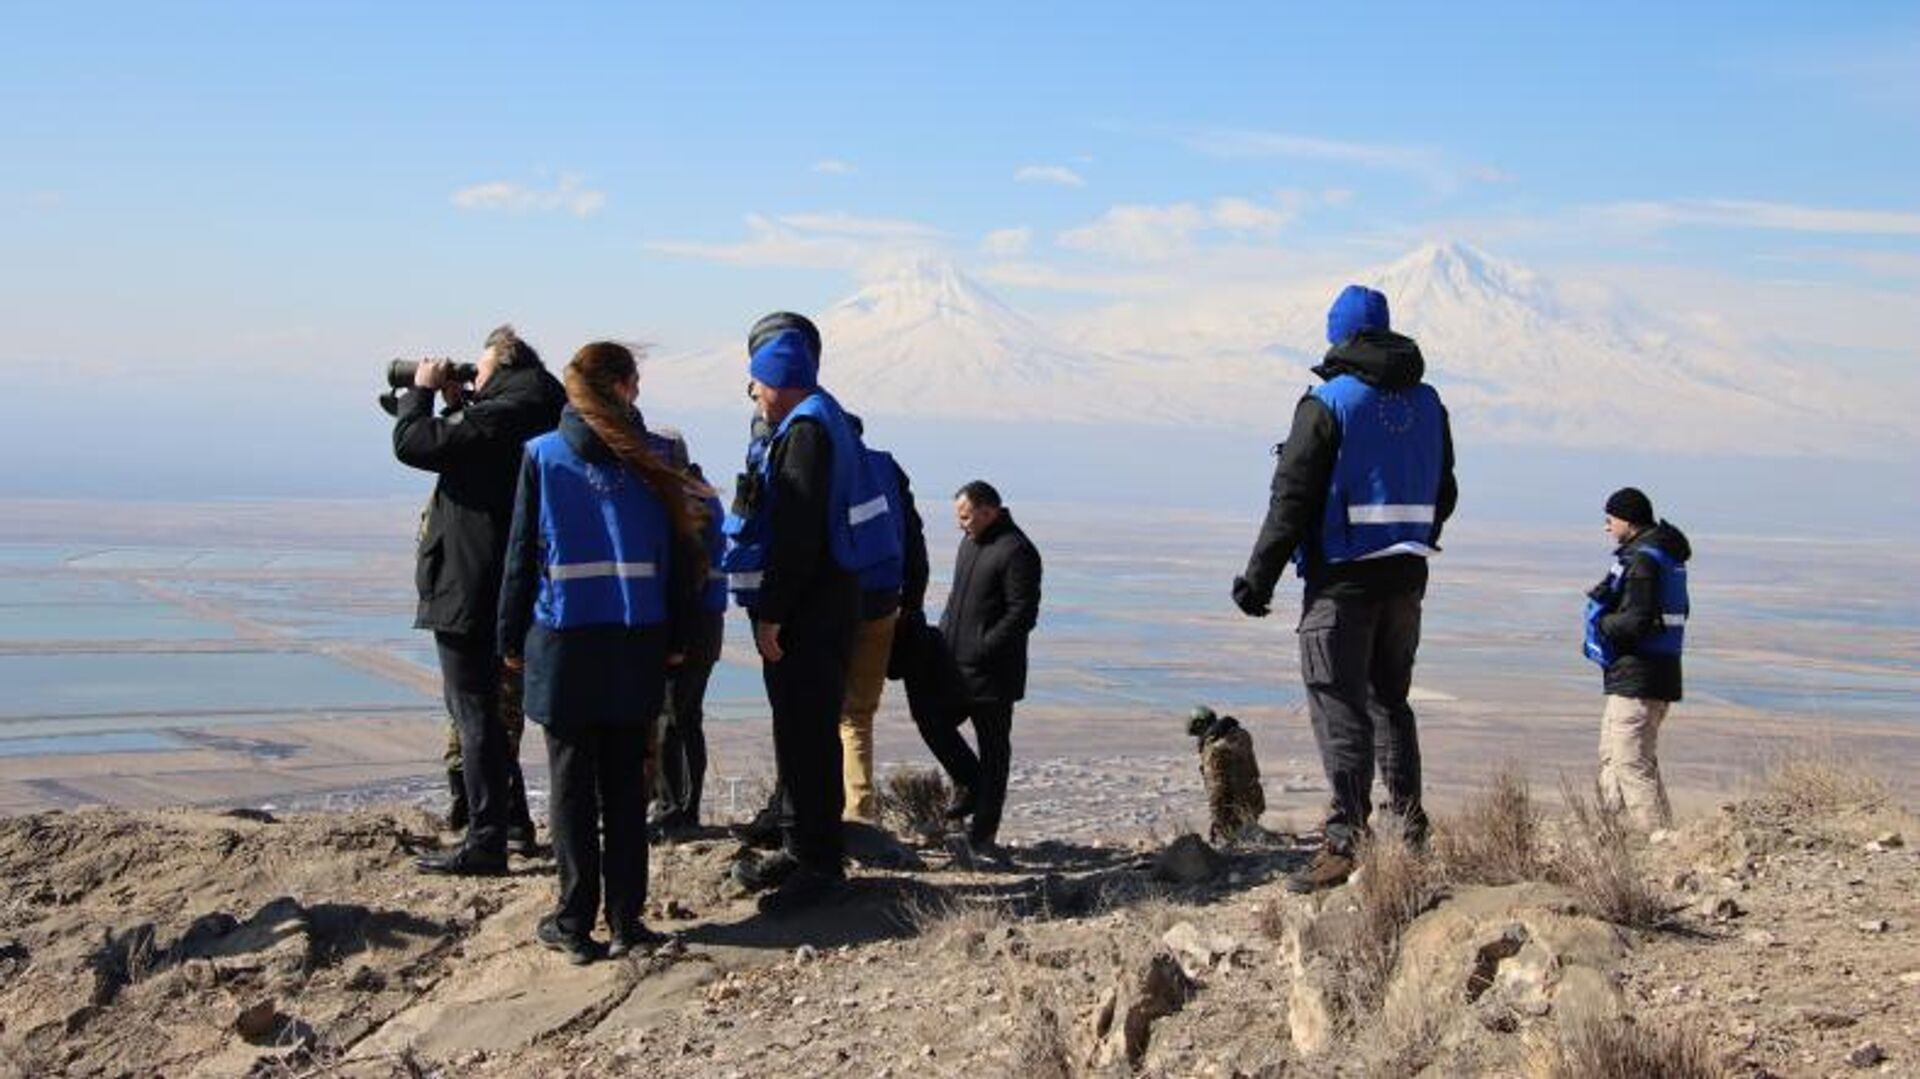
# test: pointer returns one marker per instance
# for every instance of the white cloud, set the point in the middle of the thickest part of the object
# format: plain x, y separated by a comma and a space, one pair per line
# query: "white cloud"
1007, 243
1048, 174
843, 224
836, 241
833, 166
1753, 214
1052, 278
1420, 161
1145, 233
568, 194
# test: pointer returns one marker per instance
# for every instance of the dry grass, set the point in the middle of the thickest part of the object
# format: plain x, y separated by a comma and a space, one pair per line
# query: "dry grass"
1599, 862
914, 801
1495, 838
946, 921
1596, 1048
1396, 884
1813, 780
1039, 1043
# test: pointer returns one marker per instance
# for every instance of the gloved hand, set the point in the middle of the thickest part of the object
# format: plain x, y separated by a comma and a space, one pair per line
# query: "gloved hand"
1249, 603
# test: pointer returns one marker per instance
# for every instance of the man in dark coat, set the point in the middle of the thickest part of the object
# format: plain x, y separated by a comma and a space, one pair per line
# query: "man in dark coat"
1363, 485
474, 448
992, 606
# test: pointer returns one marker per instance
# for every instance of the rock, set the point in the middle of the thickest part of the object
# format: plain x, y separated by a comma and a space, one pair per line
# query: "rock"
1163, 989
1199, 952
1760, 938
258, 1021
365, 979
1911, 977
1866, 1055
1310, 1013
804, 954
877, 848
1890, 840
1825, 1018
1187, 860
1872, 925
1721, 908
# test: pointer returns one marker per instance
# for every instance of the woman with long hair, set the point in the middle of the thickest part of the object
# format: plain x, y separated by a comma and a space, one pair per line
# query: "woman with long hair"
604, 563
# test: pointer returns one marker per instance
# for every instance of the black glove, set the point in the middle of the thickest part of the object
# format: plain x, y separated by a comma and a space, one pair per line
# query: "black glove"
1249, 603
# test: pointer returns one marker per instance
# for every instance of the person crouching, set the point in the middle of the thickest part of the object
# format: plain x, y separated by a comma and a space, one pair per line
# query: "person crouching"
603, 562
1235, 799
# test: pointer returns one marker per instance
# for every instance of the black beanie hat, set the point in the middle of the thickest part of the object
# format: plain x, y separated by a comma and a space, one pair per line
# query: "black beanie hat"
770, 325
1630, 505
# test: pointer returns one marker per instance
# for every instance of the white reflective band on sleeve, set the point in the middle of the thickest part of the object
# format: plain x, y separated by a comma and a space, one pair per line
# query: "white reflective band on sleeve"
573, 571
1671, 619
1390, 514
868, 510
745, 580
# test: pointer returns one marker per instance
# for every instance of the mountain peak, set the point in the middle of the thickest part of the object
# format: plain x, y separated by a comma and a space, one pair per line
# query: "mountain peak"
1450, 269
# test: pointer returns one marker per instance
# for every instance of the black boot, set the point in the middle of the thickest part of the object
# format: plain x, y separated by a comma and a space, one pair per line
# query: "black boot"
457, 810
520, 835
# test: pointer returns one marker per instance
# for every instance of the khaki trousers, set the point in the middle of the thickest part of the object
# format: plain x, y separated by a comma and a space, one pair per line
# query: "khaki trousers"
866, 677
1630, 760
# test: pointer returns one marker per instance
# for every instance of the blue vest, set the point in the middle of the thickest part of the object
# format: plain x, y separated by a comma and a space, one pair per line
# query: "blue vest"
861, 528
1386, 474
888, 574
1669, 639
605, 542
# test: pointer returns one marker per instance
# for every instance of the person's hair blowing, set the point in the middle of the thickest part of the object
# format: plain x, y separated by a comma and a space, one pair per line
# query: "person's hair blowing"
593, 379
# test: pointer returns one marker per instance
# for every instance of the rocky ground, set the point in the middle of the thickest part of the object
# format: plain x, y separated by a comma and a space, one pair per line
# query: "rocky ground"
200, 942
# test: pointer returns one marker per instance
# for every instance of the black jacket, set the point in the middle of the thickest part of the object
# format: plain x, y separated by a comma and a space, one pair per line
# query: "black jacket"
802, 582
1298, 495
992, 607
910, 599
1637, 614
476, 451
590, 675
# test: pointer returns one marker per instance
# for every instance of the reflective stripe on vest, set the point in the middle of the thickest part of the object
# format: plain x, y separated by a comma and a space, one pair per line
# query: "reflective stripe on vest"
604, 539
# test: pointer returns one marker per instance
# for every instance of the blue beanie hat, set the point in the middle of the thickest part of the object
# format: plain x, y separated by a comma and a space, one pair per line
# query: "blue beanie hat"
787, 359
1356, 308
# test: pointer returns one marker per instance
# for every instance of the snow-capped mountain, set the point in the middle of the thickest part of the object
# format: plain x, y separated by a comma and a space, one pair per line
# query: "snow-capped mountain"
1517, 359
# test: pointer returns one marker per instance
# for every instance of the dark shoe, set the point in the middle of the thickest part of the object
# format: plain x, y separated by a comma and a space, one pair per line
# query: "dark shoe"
1328, 868
673, 828
522, 841
577, 947
463, 861
757, 873
457, 809
962, 804
634, 938
763, 831
805, 887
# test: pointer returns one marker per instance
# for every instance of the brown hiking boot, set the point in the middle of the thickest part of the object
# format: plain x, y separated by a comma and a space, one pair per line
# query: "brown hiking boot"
1328, 868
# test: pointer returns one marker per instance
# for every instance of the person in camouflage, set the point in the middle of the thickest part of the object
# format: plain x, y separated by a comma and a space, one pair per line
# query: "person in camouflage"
1234, 796
520, 835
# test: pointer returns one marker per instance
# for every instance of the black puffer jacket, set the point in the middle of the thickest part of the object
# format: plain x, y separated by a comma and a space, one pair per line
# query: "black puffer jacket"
992, 607
1298, 498
476, 451
1636, 614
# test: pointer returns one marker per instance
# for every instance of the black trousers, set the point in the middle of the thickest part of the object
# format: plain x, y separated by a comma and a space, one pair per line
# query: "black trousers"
470, 681
598, 814
939, 705
1356, 657
683, 741
805, 690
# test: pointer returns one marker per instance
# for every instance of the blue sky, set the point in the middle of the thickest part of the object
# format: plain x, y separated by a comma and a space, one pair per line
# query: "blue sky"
300, 188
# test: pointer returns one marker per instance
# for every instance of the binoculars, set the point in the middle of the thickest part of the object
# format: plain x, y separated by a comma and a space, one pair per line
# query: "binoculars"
400, 373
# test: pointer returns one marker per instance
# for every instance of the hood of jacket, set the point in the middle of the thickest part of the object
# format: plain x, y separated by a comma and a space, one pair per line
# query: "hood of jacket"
1665, 537
1380, 358
581, 439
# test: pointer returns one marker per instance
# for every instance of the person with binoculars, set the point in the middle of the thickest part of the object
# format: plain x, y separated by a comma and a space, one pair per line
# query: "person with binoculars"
474, 448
